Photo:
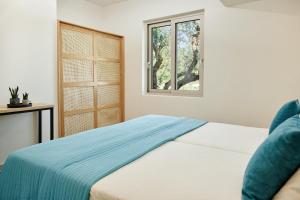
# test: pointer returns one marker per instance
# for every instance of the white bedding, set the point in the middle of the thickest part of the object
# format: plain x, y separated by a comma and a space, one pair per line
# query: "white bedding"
227, 137
205, 164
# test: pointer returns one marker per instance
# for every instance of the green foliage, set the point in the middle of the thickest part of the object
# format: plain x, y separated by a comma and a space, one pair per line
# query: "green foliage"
187, 55
162, 49
14, 92
188, 48
25, 96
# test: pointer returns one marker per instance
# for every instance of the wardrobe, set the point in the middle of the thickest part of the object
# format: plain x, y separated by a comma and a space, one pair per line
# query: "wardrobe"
90, 78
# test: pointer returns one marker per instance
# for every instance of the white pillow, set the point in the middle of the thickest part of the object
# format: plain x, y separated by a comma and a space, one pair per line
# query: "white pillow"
291, 190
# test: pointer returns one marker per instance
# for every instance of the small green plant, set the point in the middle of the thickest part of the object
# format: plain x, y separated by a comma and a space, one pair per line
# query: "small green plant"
25, 96
14, 92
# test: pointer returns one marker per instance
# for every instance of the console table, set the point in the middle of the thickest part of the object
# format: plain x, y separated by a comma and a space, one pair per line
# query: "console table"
36, 107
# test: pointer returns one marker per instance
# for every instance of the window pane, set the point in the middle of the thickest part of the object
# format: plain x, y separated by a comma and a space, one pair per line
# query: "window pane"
161, 58
188, 55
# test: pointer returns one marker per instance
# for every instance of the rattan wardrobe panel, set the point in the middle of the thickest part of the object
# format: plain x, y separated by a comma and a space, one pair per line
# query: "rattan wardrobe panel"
76, 70
107, 47
108, 94
78, 98
91, 83
78, 123
108, 71
77, 42
109, 116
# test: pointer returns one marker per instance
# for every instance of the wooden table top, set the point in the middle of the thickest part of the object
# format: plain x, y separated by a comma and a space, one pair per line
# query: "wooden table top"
35, 106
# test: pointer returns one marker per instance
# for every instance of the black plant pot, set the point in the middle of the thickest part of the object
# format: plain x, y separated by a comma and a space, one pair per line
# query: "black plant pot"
14, 101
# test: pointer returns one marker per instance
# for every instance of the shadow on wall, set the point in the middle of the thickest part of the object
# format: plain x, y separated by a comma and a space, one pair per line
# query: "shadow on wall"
286, 7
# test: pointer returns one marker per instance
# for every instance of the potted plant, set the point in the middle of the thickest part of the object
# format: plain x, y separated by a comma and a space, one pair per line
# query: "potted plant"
14, 92
25, 98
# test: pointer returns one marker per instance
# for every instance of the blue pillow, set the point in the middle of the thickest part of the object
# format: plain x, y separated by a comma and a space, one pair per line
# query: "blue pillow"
286, 111
274, 162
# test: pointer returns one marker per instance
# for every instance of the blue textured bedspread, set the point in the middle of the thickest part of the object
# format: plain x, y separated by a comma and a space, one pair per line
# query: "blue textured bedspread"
66, 169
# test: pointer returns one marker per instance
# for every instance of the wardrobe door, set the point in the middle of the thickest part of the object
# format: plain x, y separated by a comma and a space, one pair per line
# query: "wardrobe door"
90, 85
109, 78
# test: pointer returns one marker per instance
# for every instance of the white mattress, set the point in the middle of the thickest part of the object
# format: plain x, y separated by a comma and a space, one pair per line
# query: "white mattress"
227, 137
205, 164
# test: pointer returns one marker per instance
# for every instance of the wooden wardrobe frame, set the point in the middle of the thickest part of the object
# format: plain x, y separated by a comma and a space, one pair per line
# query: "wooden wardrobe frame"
61, 84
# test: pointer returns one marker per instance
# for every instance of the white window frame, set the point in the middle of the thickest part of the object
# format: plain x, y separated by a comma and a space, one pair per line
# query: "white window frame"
172, 21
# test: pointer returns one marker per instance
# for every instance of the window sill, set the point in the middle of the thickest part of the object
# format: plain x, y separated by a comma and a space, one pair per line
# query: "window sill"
175, 94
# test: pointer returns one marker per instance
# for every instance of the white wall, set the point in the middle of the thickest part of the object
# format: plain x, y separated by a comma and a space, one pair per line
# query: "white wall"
80, 12
252, 60
27, 59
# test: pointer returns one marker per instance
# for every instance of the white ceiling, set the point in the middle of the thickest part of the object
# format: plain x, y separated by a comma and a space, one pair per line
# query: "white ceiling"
105, 2
235, 2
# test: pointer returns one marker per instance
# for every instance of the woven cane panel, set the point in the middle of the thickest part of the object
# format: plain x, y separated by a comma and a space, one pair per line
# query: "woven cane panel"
78, 123
77, 70
74, 42
108, 71
76, 98
109, 94
107, 48
109, 116
82, 52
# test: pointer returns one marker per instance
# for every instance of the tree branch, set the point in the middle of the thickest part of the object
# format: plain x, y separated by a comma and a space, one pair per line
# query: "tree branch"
187, 79
159, 60
167, 85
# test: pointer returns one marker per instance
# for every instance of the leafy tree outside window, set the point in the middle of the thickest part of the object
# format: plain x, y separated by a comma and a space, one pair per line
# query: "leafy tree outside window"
176, 54
161, 57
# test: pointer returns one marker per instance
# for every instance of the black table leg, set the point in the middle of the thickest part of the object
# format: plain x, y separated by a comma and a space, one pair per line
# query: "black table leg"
51, 124
40, 126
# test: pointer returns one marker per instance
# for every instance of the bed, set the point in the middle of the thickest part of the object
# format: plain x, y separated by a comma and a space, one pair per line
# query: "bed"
206, 163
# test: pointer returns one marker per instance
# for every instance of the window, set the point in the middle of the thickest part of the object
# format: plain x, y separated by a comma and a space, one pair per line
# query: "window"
175, 55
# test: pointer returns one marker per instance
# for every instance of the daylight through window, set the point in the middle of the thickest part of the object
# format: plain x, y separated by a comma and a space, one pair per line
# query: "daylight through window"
175, 55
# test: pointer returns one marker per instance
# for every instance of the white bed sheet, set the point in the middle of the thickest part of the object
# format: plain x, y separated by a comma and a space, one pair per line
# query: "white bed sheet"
205, 164
177, 171
229, 137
